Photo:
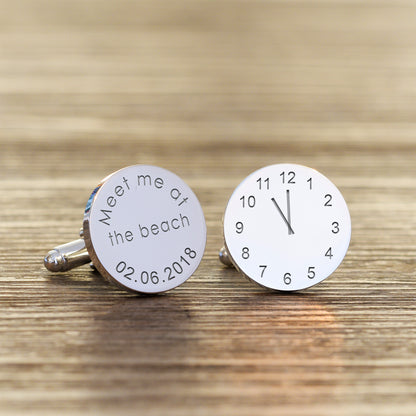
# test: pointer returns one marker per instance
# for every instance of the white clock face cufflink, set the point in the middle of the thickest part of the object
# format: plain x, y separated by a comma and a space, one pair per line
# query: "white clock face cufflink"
286, 227
143, 229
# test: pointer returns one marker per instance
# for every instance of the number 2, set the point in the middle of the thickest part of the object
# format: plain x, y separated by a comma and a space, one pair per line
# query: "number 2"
328, 198
122, 266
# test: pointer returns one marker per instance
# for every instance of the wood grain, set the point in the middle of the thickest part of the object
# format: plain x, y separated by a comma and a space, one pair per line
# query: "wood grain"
211, 90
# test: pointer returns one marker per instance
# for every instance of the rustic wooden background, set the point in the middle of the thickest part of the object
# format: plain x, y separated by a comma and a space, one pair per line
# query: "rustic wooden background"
211, 90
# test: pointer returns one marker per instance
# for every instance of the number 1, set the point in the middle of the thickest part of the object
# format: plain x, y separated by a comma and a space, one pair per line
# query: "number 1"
265, 181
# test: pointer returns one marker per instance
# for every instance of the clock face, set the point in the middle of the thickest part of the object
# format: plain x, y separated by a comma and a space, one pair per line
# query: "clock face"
144, 229
287, 227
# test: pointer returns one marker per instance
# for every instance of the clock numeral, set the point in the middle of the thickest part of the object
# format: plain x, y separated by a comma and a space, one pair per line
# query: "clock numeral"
310, 183
265, 183
335, 230
290, 177
263, 267
287, 278
250, 201
328, 198
245, 254
311, 272
239, 227
329, 253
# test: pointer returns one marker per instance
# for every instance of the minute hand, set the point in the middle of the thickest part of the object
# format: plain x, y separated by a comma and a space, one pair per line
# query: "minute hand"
283, 216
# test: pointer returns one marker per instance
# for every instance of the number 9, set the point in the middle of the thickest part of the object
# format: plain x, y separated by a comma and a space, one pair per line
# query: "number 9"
239, 227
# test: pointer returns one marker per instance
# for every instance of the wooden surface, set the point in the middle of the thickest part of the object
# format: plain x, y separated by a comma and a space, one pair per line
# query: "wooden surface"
211, 90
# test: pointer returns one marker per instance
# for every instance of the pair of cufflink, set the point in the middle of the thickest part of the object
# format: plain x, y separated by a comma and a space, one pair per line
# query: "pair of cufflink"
286, 227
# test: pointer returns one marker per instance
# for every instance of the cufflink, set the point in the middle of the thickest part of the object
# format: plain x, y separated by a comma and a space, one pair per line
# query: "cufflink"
286, 227
143, 229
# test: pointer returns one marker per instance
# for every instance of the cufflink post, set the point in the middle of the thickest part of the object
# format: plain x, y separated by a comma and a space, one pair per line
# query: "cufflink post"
67, 256
225, 257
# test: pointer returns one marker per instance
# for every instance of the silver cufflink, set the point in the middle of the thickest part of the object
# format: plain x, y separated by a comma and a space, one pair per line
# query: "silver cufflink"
286, 227
143, 229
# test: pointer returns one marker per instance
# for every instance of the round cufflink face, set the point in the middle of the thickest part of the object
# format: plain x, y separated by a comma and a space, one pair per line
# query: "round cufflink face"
144, 229
287, 227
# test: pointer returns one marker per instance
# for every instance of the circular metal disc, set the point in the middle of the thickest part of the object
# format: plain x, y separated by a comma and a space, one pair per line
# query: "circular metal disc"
287, 227
144, 229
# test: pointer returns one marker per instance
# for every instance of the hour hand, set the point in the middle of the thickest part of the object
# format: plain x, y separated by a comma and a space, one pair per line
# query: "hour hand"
289, 227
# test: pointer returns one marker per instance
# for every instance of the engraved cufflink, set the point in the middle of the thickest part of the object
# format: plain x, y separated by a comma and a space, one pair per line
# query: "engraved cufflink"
143, 229
286, 227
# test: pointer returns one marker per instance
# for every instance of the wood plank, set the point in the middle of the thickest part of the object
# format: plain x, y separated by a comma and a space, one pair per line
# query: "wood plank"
212, 91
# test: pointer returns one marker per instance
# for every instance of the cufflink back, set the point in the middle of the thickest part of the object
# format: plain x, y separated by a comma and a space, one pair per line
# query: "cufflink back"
286, 227
143, 229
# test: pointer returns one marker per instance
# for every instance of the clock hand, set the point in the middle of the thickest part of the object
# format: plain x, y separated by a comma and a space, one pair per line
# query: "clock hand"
289, 227
288, 211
